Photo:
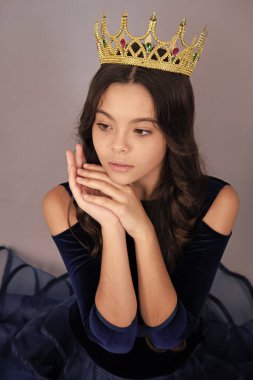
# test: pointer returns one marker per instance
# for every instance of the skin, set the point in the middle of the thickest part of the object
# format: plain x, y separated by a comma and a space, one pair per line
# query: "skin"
123, 141
116, 205
119, 193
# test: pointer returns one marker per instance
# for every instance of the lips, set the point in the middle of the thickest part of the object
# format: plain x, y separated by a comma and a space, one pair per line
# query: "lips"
120, 168
120, 164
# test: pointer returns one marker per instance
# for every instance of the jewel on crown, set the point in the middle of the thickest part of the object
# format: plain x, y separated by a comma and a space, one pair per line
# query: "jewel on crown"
148, 50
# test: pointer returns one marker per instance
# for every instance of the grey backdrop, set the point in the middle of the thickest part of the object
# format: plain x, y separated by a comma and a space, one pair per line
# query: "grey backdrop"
48, 56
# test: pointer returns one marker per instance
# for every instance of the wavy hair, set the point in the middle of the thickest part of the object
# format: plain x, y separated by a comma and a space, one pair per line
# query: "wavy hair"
182, 183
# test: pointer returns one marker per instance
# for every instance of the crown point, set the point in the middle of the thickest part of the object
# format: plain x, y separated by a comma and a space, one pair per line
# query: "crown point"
183, 22
125, 13
153, 16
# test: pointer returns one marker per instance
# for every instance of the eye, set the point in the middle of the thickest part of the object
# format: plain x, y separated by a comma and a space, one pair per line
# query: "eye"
101, 126
143, 130
104, 128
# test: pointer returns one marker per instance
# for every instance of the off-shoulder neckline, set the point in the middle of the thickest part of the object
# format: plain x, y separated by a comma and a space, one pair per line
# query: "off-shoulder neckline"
77, 224
74, 226
200, 222
210, 229
151, 202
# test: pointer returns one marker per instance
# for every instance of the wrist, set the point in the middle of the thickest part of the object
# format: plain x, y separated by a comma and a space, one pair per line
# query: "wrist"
145, 232
112, 227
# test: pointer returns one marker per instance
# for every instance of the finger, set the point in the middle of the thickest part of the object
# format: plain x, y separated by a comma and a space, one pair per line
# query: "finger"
80, 158
68, 153
72, 175
104, 186
106, 202
94, 167
99, 175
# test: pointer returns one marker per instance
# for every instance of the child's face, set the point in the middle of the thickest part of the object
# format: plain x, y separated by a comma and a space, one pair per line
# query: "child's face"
140, 144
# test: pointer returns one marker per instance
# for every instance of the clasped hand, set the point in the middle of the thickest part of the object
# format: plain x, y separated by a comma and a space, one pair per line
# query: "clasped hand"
109, 202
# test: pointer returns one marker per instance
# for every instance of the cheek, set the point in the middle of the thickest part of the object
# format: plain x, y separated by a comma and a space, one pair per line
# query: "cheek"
153, 161
155, 152
96, 141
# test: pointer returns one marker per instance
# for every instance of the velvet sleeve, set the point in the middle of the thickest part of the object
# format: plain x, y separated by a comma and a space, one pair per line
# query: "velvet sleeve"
192, 279
84, 273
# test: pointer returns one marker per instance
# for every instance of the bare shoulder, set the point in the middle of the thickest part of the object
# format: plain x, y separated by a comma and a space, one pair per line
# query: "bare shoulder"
55, 206
223, 212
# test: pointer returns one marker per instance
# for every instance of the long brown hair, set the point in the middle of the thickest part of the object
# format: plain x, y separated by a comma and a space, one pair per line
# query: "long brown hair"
179, 191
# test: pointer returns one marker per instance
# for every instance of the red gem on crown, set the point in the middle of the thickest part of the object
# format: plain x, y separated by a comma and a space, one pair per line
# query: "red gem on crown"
175, 51
123, 42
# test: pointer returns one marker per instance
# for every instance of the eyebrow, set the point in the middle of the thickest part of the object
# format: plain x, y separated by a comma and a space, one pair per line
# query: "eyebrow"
137, 119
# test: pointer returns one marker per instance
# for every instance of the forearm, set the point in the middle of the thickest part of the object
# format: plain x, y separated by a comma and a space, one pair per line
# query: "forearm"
157, 294
115, 297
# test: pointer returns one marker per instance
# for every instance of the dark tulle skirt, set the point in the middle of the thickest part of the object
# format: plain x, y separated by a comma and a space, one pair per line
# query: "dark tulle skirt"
36, 341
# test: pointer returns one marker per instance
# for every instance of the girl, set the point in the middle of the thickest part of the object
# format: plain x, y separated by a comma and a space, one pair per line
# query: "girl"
141, 228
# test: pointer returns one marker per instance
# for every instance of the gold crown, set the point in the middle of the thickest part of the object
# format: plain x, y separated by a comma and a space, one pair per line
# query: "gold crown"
115, 48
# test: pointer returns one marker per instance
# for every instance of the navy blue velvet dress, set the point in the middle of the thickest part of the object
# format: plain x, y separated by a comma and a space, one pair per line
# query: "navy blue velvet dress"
50, 327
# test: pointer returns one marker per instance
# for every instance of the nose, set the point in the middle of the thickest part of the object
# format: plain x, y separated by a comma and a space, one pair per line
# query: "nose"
119, 143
